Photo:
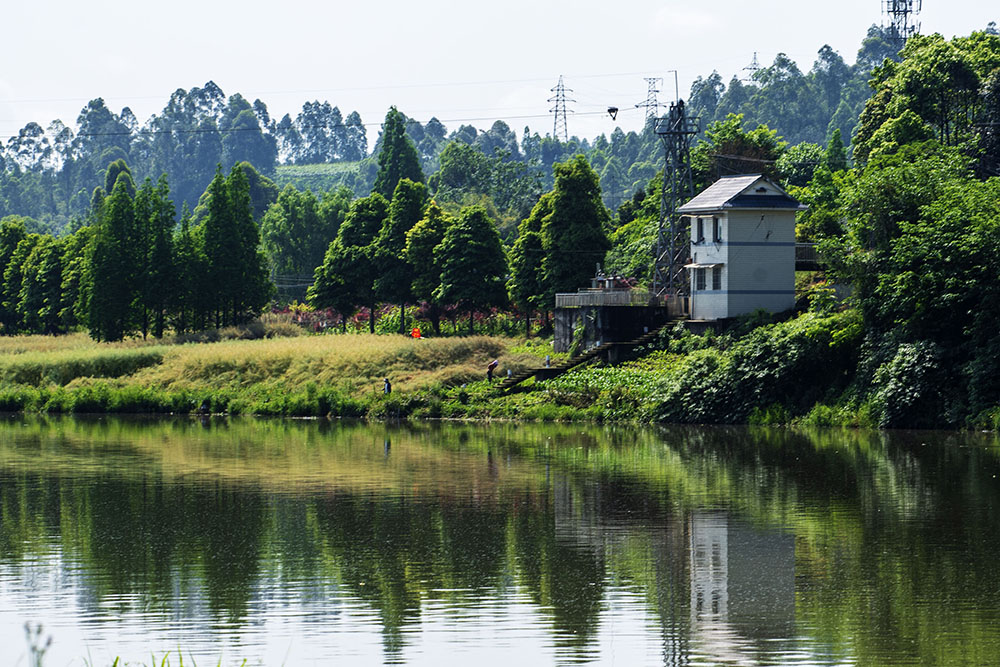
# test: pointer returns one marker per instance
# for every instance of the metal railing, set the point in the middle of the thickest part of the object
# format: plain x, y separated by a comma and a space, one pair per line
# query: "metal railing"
629, 297
806, 252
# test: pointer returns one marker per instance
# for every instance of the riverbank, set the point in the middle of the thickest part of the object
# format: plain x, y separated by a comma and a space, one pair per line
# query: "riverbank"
805, 368
752, 373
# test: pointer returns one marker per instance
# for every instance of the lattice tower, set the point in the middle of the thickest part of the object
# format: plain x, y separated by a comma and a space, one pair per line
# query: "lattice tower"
651, 104
676, 130
559, 128
902, 19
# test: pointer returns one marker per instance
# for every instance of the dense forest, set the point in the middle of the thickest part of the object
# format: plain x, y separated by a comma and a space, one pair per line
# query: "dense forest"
48, 173
181, 225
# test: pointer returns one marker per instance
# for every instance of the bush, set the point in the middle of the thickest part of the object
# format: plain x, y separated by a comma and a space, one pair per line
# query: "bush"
907, 389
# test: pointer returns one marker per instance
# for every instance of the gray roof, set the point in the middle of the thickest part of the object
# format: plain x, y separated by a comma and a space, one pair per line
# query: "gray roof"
731, 192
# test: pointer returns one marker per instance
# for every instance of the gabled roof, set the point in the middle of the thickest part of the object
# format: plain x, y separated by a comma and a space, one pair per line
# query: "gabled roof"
752, 191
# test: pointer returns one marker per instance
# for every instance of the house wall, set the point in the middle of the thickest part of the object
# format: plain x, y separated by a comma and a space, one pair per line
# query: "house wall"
757, 252
710, 304
762, 261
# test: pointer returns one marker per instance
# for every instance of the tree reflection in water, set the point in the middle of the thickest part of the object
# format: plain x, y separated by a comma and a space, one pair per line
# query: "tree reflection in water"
740, 543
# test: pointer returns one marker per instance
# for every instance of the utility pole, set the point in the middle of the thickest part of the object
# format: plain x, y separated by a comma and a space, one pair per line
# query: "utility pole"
902, 19
676, 130
559, 128
652, 106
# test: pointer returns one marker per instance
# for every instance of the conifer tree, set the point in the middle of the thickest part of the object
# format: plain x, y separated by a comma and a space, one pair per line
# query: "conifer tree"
345, 279
574, 230
421, 245
473, 265
111, 279
398, 157
395, 278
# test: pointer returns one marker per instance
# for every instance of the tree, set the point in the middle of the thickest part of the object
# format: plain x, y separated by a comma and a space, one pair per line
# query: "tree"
472, 263
254, 289
345, 278
160, 279
190, 303
395, 278
398, 157
835, 155
526, 287
728, 148
422, 242
574, 232
111, 285
41, 287
797, 164
12, 232
237, 269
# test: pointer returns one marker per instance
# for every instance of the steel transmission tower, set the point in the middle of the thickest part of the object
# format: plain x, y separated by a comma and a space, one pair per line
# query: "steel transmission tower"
902, 19
753, 68
559, 127
652, 106
676, 130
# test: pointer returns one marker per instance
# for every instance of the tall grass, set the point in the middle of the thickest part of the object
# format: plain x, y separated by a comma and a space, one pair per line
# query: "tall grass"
340, 375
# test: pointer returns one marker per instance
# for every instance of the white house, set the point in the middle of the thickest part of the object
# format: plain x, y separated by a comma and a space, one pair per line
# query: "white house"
742, 247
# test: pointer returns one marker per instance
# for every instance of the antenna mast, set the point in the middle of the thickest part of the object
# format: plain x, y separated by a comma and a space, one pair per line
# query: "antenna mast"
902, 19
676, 130
652, 106
559, 127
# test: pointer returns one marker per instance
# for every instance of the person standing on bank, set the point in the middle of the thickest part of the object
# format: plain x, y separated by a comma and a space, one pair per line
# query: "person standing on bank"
489, 369
386, 386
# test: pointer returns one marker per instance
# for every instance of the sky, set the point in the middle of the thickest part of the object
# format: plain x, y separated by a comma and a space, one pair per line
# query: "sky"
465, 62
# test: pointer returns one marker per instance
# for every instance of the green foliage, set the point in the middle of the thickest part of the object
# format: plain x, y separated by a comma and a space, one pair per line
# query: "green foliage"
345, 279
398, 158
906, 390
771, 365
936, 91
298, 227
394, 280
472, 261
573, 229
729, 148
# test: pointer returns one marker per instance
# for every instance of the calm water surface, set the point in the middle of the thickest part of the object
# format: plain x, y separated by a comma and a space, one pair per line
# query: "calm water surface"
308, 543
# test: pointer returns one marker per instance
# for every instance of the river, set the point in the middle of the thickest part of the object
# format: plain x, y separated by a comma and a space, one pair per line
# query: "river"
284, 542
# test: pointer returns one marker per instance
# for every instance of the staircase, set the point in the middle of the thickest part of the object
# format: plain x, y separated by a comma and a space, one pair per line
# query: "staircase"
549, 372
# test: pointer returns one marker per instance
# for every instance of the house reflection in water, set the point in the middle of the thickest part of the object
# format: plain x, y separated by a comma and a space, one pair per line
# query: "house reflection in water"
742, 584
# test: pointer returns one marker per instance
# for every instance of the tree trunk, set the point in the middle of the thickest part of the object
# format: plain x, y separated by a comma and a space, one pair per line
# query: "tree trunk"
471, 330
371, 318
402, 318
435, 315
527, 323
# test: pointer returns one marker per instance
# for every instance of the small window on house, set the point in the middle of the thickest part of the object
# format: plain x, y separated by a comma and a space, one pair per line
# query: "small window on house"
699, 279
717, 230
716, 277
700, 235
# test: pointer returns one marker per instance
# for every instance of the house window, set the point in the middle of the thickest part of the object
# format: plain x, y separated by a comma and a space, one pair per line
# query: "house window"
700, 235
699, 279
716, 277
716, 230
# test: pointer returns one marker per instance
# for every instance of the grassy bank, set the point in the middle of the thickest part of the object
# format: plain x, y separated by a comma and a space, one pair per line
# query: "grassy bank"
806, 368
340, 375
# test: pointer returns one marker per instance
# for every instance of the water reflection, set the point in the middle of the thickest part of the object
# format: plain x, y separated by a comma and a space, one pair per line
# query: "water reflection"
288, 542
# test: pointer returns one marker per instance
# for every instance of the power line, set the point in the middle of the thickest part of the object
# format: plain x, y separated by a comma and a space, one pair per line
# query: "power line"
412, 121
